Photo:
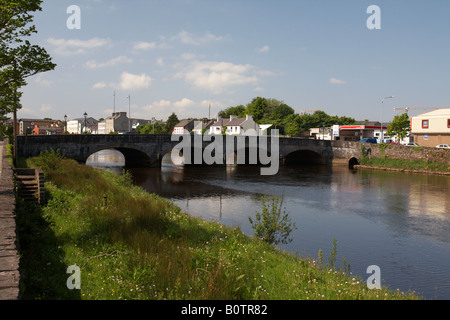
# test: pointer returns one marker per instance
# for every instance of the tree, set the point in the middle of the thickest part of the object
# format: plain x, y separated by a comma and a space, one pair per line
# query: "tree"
292, 125
399, 126
257, 108
149, 128
18, 58
172, 121
237, 110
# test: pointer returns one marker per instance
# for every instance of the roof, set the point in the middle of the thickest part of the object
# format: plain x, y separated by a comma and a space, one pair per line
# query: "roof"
203, 125
184, 123
228, 122
443, 112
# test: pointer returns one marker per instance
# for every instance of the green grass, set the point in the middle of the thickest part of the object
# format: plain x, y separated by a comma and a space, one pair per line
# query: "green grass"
406, 164
136, 245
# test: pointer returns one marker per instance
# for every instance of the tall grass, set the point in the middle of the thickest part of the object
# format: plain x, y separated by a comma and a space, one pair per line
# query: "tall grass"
406, 164
130, 244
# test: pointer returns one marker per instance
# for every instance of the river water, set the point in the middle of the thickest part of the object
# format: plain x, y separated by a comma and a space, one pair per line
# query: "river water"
396, 221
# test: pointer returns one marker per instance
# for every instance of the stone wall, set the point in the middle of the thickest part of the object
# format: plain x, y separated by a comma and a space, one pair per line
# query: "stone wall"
409, 153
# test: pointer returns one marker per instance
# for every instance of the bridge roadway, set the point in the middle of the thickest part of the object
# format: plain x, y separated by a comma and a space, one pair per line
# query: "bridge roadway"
148, 150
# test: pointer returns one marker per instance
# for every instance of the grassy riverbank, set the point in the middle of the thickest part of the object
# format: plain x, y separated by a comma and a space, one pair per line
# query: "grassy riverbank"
420, 166
130, 244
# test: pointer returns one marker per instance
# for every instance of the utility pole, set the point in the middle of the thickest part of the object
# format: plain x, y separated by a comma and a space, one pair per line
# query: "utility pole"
114, 104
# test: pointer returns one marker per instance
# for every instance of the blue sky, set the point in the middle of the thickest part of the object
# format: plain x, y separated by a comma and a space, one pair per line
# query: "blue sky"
183, 55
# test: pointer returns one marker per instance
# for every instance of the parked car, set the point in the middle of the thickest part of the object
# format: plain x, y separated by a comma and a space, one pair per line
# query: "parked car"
369, 140
412, 144
444, 146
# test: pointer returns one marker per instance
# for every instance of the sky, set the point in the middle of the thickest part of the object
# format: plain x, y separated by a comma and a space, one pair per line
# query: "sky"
197, 57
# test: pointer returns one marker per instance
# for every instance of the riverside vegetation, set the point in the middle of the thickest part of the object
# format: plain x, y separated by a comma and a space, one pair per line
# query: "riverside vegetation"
402, 164
130, 244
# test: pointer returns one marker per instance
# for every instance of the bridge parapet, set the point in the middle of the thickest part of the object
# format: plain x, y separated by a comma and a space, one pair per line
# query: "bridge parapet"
148, 150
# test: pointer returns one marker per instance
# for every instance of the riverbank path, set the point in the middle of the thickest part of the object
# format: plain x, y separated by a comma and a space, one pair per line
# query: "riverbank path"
9, 259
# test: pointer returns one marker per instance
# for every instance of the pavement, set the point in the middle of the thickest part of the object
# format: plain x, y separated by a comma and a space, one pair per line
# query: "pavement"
9, 259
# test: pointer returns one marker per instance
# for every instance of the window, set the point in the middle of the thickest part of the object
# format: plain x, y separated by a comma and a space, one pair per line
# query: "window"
425, 124
448, 123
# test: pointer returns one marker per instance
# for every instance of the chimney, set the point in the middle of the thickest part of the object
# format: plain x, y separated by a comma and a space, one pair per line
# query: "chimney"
248, 117
233, 117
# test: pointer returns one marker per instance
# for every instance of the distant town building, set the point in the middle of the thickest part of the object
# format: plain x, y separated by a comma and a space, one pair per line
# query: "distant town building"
120, 123
27, 126
356, 132
431, 128
235, 126
202, 126
82, 125
184, 126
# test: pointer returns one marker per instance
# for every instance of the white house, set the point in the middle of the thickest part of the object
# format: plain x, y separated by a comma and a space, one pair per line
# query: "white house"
81, 125
235, 126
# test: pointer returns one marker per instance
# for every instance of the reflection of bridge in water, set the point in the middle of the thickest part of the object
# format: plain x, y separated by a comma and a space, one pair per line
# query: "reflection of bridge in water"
148, 150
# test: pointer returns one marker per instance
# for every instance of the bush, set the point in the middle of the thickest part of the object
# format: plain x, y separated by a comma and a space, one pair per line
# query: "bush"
272, 225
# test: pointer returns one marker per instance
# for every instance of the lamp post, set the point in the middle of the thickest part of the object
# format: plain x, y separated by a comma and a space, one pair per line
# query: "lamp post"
129, 112
85, 122
381, 124
65, 123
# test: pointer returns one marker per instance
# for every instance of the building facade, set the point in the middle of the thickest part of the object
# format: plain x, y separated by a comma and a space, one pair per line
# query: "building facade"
81, 125
27, 126
235, 126
431, 128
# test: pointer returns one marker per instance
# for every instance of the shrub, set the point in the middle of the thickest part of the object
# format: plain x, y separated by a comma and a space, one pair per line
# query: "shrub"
272, 225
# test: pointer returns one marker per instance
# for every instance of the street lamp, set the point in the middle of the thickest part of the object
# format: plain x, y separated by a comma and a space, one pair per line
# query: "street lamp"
381, 124
129, 112
65, 123
85, 122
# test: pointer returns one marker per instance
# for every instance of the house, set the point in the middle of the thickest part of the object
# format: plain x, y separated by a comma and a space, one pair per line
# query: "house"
184, 126
47, 130
81, 125
431, 128
118, 122
201, 127
26, 126
235, 126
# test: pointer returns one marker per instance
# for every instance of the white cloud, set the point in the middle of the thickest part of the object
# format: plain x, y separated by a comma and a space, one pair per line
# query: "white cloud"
142, 45
337, 81
100, 85
76, 46
264, 49
131, 81
217, 76
184, 103
189, 38
128, 81
110, 63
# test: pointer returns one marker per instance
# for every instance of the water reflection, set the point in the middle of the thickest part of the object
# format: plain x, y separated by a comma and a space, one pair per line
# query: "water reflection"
397, 221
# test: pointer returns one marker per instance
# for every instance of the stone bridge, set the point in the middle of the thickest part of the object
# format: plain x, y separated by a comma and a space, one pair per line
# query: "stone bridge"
149, 150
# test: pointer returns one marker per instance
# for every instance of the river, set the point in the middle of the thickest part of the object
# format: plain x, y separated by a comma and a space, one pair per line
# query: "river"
396, 221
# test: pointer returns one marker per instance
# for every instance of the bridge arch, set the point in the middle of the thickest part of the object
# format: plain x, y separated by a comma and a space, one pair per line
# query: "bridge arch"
134, 157
304, 157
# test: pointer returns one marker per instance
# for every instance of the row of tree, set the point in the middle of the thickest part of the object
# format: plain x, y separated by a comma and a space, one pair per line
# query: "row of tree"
283, 117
